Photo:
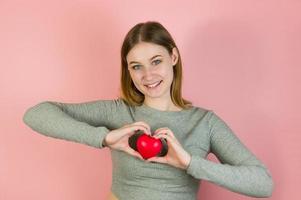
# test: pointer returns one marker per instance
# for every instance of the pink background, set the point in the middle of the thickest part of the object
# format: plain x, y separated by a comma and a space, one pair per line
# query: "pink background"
242, 59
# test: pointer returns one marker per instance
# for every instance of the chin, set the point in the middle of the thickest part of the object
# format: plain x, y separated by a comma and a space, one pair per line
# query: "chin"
159, 95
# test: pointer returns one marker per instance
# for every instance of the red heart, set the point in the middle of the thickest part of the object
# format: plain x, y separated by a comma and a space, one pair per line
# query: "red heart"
148, 146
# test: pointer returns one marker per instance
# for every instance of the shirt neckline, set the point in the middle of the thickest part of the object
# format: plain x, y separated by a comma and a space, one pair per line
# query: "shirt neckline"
149, 109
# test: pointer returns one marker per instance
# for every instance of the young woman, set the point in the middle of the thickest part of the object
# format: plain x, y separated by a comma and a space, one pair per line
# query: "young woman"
151, 101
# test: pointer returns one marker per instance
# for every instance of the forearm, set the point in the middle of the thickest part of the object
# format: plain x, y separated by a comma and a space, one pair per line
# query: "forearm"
49, 120
251, 180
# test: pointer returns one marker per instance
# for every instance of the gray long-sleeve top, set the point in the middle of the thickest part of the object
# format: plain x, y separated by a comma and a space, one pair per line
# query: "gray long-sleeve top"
200, 131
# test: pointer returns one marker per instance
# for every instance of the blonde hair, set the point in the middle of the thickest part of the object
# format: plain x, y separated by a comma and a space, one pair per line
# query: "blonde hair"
152, 32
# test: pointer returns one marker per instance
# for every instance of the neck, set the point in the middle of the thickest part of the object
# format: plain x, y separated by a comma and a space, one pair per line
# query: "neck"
164, 105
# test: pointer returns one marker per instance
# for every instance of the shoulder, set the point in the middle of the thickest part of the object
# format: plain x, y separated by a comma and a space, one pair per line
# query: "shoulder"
111, 105
120, 105
202, 111
210, 116
121, 102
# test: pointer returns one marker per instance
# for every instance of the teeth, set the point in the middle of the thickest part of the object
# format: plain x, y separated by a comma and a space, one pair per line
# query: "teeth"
153, 85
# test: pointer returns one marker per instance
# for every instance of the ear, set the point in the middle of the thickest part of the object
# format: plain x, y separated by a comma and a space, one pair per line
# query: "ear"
174, 56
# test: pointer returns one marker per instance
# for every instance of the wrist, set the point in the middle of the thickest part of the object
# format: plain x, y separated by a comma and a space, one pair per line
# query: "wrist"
186, 161
104, 143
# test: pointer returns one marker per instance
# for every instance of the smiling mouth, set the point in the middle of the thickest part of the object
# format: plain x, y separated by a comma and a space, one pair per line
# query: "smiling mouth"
154, 85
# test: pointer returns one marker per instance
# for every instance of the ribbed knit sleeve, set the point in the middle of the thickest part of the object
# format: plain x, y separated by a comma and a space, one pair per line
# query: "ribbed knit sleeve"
239, 170
78, 122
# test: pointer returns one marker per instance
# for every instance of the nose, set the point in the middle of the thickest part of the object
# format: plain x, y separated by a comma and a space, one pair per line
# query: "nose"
148, 73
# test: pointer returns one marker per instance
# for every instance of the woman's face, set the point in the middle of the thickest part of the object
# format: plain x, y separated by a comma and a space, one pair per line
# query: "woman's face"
151, 69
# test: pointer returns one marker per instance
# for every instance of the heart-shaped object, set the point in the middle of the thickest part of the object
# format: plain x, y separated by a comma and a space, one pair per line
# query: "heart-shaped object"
147, 145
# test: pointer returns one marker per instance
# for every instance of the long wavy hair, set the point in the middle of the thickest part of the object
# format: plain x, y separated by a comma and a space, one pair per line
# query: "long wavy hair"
152, 32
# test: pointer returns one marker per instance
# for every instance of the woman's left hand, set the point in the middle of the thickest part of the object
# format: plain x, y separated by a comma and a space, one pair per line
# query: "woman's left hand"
176, 155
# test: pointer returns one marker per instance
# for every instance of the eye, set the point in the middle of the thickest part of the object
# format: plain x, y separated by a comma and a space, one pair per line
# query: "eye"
135, 67
157, 61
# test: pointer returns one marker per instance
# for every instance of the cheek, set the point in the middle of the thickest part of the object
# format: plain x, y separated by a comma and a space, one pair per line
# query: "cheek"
135, 77
168, 72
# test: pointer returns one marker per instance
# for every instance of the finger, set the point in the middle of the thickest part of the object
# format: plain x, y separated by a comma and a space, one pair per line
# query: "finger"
144, 124
151, 159
161, 135
170, 139
143, 129
146, 127
158, 135
163, 132
132, 129
159, 130
166, 132
157, 159
167, 137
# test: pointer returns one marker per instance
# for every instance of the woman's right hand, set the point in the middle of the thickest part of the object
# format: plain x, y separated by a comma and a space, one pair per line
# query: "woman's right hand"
118, 138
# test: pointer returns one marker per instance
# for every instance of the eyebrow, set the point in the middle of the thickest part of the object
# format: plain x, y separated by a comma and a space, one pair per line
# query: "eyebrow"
132, 62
